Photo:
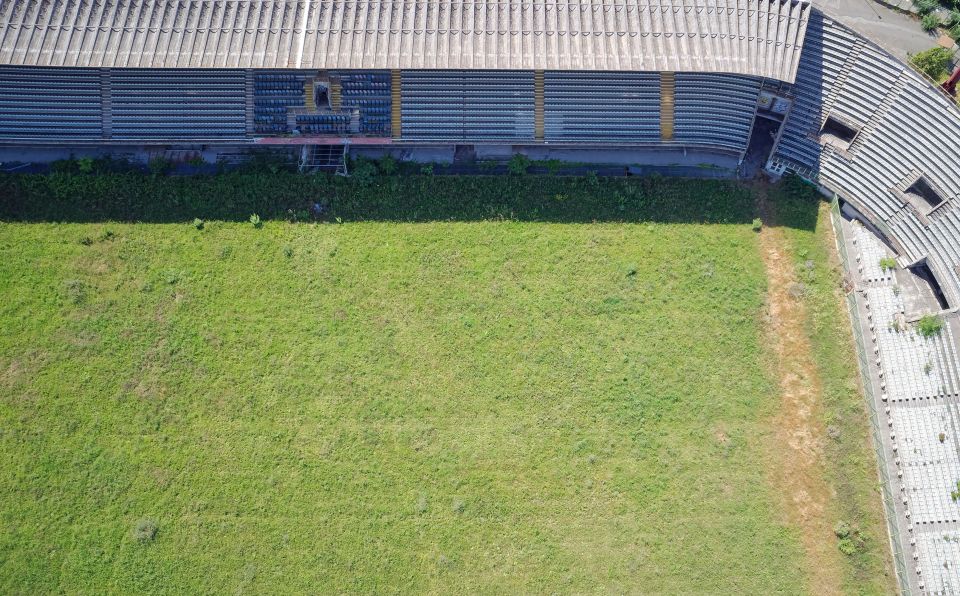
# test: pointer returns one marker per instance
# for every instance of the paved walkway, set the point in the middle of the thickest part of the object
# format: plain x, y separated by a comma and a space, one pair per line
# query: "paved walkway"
892, 30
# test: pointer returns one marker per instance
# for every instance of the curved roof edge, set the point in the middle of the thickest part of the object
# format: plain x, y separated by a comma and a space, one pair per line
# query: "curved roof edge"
752, 37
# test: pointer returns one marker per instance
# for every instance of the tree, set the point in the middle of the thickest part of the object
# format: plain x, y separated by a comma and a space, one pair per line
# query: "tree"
935, 62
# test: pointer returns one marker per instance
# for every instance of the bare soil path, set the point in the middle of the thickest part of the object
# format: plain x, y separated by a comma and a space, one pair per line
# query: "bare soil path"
798, 431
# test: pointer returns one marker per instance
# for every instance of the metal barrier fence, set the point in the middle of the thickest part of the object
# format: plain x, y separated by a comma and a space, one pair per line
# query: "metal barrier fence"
890, 510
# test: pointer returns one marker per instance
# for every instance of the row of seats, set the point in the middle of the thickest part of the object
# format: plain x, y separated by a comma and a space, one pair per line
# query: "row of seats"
369, 94
458, 106
323, 118
273, 94
50, 102
596, 106
161, 104
714, 109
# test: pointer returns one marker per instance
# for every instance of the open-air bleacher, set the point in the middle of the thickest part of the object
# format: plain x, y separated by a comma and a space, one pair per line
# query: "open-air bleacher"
50, 103
173, 104
273, 94
917, 379
904, 130
602, 107
467, 105
369, 94
715, 110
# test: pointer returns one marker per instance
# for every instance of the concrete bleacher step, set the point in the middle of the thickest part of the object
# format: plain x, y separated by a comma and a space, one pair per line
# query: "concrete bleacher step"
396, 98
336, 94
893, 93
667, 105
841, 80
309, 95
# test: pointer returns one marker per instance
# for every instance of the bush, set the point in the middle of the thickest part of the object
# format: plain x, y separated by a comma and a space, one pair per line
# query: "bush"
888, 263
159, 166
388, 165
954, 32
930, 22
925, 7
518, 164
929, 325
76, 291
85, 165
935, 62
757, 224
234, 195
255, 221
145, 530
364, 173
198, 223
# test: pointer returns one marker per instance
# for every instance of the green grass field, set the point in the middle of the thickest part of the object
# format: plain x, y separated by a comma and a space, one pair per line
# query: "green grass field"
473, 406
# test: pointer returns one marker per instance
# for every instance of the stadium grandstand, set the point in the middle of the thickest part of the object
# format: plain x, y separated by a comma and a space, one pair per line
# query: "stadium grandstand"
775, 83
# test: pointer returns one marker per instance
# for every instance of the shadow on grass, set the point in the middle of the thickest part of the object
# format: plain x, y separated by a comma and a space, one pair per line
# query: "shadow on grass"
280, 195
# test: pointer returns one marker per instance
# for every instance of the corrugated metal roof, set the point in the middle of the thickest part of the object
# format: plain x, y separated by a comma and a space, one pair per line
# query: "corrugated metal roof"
753, 37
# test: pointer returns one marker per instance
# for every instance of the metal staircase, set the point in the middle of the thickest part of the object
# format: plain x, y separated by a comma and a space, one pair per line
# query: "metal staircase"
667, 104
323, 158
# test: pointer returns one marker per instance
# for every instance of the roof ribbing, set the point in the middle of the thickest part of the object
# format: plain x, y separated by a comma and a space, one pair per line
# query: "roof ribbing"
753, 37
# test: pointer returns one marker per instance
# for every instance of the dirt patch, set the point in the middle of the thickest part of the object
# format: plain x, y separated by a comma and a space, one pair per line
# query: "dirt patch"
798, 432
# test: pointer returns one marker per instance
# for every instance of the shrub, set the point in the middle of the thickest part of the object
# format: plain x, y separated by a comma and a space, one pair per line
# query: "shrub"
159, 166
798, 188
388, 165
255, 221
954, 31
757, 224
85, 165
76, 291
145, 530
930, 21
888, 263
925, 7
847, 546
929, 325
518, 164
198, 223
288, 251
364, 173
427, 169
934, 62
842, 529
553, 166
